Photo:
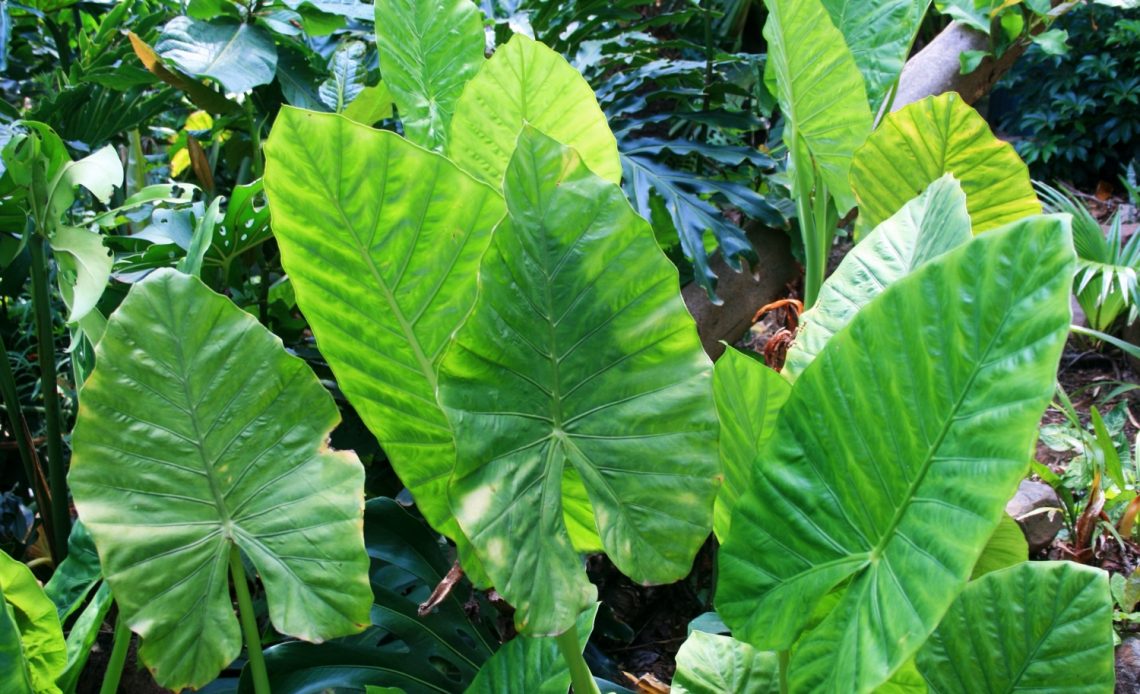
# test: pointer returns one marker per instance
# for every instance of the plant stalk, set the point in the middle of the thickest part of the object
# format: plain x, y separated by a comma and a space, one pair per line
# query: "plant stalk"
118, 657
249, 624
57, 479
581, 681
784, 657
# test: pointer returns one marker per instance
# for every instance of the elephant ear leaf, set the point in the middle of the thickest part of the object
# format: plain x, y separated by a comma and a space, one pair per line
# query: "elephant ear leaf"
748, 398
428, 51
888, 439
713, 664
916, 145
32, 650
397, 251
527, 83
199, 433
923, 229
579, 395
1036, 626
820, 91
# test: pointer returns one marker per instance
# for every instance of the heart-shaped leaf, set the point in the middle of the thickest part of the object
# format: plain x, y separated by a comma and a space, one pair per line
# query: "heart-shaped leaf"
820, 91
429, 49
1036, 626
527, 83
748, 398
579, 396
32, 650
237, 55
532, 665
894, 457
397, 251
198, 432
923, 229
713, 664
915, 146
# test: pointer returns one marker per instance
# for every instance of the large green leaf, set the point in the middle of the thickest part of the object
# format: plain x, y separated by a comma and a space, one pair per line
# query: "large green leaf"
916, 145
527, 83
531, 665
429, 49
237, 55
32, 650
748, 397
820, 91
579, 395
1037, 626
384, 267
198, 432
713, 664
894, 457
924, 228
879, 34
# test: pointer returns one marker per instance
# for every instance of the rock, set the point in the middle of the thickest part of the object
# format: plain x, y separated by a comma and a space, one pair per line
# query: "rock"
1128, 666
1041, 527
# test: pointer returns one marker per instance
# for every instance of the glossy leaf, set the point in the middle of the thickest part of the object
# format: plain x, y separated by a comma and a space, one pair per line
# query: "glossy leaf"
397, 252
894, 457
711, 664
579, 396
923, 229
916, 145
532, 665
347, 72
1006, 547
527, 83
198, 432
820, 91
429, 49
879, 34
748, 397
32, 651
1037, 626
237, 55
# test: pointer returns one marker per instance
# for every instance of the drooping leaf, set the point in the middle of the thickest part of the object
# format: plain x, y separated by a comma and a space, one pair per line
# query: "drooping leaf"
527, 83
32, 651
926, 227
711, 664
820, 91
429, 49
198, 432
748, 397
202, 95
1037, 626
82, 635
916, 145
398, 251
528, 664
579, 396
894, 457
879, 34
346, 77
237, 55
85, 267
1007, 546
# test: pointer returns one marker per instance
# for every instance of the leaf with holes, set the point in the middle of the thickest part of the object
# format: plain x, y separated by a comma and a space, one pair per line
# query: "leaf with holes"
579, 396
384, 268
894, 457
198, 432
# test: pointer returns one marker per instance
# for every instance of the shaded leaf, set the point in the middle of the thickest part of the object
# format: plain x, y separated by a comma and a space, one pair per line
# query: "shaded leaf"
532, 665
711, 664
237, 55
74, 578
346, 77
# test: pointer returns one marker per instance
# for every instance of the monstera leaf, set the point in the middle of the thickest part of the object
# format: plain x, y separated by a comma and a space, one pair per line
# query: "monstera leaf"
579, 396
532, 665
916, 145
428, 51
32, 650
820, 91
923, 229
748, 397
237, 55
384, 267
894, 457
879, 34
199, 433
713, 664
1037, 626
527, 83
